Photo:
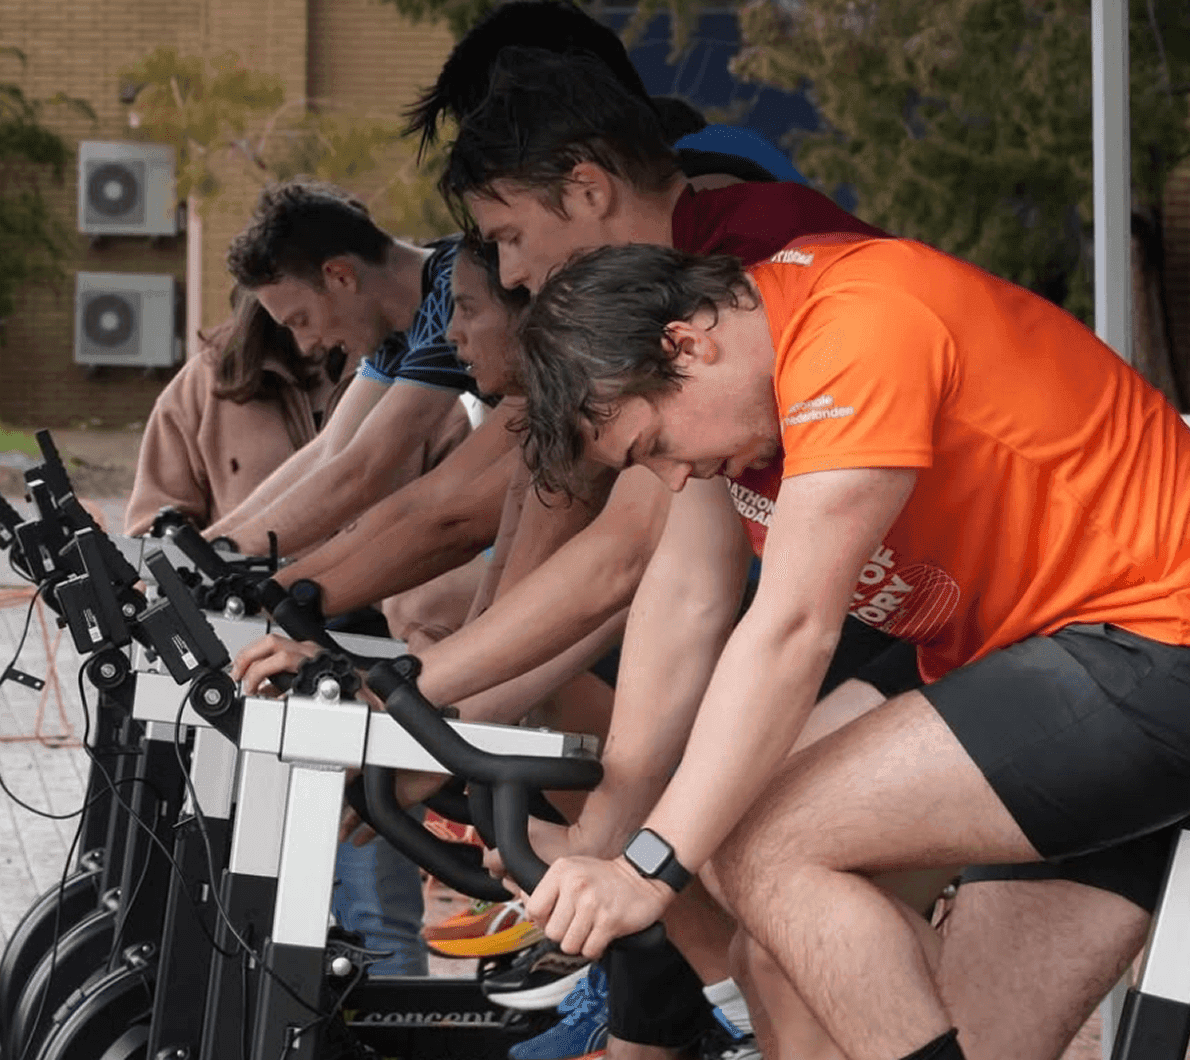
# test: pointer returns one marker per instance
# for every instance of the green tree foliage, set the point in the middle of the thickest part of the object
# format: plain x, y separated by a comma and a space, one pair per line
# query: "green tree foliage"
205, 110
33, 242
967, 123
218, 114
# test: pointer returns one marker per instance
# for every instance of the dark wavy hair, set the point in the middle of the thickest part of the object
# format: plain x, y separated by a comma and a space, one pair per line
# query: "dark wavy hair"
242, 347
553, 25
598, 332
544, 114
296, 227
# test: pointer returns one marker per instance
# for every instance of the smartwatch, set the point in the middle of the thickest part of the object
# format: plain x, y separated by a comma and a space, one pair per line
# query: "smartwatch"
654, 859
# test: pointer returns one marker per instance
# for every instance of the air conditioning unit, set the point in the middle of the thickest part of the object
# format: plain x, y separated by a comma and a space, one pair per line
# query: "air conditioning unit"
127, 189
124, 318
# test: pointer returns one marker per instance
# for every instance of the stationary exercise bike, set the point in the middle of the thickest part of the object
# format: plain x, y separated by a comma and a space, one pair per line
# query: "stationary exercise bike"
130, 1003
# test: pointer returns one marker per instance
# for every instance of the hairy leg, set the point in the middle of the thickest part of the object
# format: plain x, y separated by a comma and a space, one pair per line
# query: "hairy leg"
785, 1026
893, 790
1046, 951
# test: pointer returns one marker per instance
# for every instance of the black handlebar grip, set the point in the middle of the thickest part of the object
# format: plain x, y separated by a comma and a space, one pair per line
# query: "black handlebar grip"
198, 550
297, 622
459, 865
282, 681
479, 802
271, 594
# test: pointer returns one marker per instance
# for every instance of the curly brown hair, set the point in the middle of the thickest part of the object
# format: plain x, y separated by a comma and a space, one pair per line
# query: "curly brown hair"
298, 225
598, 332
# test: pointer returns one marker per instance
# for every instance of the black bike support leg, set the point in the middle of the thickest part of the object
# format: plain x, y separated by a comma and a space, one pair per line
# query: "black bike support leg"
131, 743
288, 1023
157, 802
248, 894
108, 746
180, 996
1155, 1021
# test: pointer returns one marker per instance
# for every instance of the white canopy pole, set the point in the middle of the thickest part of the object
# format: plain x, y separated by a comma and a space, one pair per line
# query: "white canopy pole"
1113, 175
1113, 249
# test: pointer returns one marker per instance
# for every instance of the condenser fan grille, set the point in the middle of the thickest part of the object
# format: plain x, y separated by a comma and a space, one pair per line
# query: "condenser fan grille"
115, 191
110, 320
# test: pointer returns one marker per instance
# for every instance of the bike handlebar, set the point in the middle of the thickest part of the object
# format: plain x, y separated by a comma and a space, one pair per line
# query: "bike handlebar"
511, 778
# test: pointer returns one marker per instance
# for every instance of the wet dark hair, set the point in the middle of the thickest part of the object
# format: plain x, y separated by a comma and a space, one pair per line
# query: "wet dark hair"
546, 113
296, 227
552, 25
678, 118
598, 332
242, 347
486, 256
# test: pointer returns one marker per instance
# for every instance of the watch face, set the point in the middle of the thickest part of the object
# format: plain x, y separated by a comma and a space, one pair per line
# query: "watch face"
648, 852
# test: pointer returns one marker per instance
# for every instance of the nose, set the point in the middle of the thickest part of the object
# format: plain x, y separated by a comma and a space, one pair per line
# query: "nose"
674, 473
454, 334
307, 341
513, 273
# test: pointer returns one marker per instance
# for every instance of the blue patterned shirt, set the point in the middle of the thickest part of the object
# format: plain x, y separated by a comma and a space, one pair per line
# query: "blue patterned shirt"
422, 354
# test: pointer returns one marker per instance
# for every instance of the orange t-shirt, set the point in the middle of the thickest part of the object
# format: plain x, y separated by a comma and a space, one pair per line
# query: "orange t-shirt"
1053, 482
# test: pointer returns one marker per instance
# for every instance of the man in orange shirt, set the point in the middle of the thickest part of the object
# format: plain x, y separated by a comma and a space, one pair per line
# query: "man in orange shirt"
938, 453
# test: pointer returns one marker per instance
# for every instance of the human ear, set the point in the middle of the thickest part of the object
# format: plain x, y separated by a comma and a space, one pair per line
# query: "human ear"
686, 342
339, 273
590, 189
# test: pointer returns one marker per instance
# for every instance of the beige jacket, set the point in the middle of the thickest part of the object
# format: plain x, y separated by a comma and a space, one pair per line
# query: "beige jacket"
204, 455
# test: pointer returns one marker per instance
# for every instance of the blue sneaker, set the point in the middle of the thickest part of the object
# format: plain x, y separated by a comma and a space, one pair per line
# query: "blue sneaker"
582, 1029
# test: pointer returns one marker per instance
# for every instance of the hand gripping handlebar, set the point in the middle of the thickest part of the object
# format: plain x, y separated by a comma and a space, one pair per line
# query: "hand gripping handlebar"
511, 778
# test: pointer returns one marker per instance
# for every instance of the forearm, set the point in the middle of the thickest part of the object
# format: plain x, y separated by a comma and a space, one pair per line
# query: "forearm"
407, 539
539, 618
669, 654
507, 703
280, 482
366, 567
330, 495
756, 705
677, 626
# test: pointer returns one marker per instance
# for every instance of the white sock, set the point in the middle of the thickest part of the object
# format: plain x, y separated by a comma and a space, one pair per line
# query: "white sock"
726, 997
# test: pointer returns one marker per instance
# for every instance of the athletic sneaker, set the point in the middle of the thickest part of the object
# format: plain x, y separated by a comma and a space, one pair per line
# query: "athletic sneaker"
498, 930
725, 1041
582, 1030
539, 978
472, 921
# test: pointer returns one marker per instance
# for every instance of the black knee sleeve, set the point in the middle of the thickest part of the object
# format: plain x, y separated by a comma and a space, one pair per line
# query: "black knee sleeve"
945, 1048
654, 997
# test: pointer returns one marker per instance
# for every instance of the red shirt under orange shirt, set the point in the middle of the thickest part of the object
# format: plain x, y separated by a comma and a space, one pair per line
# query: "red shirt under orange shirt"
1053, 482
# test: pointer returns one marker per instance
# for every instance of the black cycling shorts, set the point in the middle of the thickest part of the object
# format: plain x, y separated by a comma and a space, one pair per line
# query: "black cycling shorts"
1085, 738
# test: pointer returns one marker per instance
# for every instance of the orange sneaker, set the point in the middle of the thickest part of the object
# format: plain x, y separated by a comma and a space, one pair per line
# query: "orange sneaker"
484, 931
451, 831
472, 921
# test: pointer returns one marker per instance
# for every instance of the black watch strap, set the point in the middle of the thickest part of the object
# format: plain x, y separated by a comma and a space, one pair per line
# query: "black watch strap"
654, 859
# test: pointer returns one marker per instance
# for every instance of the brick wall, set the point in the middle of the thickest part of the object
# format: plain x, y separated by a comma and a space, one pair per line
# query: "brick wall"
269, 36
77, 47
357, 56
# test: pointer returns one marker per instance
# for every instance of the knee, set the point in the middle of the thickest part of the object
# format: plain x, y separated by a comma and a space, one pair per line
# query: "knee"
743, 871
749, 960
